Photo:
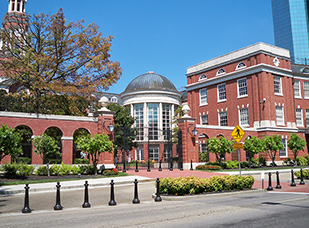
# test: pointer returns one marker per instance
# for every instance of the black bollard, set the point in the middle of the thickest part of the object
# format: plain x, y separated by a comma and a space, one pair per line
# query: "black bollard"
86, 202
158, 197
278, 181
302, 182
160, 168
292, 177
124, 166
135, 200
112, 202
58, 205
148, 170
171, 168
191, 167
270, 188
26, 208
136, 166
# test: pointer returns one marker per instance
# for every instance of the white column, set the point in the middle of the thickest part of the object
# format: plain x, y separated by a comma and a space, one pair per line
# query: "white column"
160, 122
146, 122
21, 6
132, 110
9, 9
173, 113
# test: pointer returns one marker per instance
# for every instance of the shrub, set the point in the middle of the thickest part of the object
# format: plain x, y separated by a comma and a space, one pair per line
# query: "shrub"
244, 164
75, 170
305, 174
54, 161
301, 161
110, 172
86, 169
10, 169
41, 171
81, 161
24, 160
208, 167
18, 169
288, 161
194, 185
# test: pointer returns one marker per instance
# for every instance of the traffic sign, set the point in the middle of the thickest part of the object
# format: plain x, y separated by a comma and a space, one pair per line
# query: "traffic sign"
238, 133
238, 145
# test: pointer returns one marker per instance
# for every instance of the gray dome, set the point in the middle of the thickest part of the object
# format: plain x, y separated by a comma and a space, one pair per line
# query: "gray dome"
150, 81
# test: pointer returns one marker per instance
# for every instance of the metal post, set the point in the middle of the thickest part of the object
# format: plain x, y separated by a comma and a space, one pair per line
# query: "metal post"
158, 197
136, 166
58, 205
302, 182
239, 162
112, 201
278, 181
135, 200
148, 169
292, 177
270, 188
124, 163
86, 201
171, 169
191, 166
26, 208
160, 168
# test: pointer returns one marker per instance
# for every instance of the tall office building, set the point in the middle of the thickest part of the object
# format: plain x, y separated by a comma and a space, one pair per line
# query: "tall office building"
291, 28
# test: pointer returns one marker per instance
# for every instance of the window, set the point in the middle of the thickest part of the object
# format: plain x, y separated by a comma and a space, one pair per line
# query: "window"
167, 120
306, 89
277, 85
299, 117
223, 118
154, 153
240, 65
297, 89
139, 120
284, 152
221, 92
279, 115
203, 76
244, 116
139, 153
153, 121
203, 97
204, 119
167, 152
242, 87
220, 71
307, 117
114, 99
203, 147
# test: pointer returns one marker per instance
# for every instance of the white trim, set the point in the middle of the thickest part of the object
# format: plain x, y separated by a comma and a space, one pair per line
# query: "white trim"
282, 112
200, 96
299, 88
280, 81
286, 149
239, 119
242, 96
302, 118
218, 94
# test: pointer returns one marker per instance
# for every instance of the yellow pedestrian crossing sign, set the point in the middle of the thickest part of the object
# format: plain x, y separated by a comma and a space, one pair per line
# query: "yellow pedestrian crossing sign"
238, 133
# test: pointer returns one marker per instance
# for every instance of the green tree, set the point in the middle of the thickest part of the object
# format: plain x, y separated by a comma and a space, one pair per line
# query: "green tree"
219, 147
124, 132
296, 144
57, 61
94, 146
46, 146
252, 146
273, 144
10, 141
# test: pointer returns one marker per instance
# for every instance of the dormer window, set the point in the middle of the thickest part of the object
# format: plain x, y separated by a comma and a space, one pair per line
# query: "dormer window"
220, 71
203, 76
240, 65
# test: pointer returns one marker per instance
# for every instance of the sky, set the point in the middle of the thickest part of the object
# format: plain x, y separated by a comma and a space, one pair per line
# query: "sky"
166, 36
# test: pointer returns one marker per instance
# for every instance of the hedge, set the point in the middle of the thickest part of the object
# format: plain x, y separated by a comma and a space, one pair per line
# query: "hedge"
193, 185
208, 167
305, 174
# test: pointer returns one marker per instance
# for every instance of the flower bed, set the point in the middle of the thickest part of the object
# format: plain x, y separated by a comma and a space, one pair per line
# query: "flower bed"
193, 185
208, 167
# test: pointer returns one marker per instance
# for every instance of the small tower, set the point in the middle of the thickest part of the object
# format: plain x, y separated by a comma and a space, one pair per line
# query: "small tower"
17, 6
16, 14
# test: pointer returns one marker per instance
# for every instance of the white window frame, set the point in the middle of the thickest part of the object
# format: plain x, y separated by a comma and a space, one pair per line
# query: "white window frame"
241, 65
280, 111
298, 124
306, 89
218, 92
284, 150
220, 73
238, 88
307, 117
203, 98
202, 123
202, 77
297, 94
240, 115
280, 85
220, 118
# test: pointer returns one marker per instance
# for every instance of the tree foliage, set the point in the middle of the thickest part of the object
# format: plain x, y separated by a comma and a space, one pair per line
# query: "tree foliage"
296, 144
220, 146
10, 141
94, 146
57, 61
252, 146
273, 144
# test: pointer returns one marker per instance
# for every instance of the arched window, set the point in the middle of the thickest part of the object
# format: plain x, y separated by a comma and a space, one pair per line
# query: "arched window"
203, 76
114, 99
220, 71
240, 65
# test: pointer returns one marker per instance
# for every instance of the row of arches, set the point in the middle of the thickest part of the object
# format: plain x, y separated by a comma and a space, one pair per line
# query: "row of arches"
54, 132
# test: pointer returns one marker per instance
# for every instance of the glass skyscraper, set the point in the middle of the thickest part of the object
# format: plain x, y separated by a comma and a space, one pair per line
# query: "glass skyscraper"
291, 28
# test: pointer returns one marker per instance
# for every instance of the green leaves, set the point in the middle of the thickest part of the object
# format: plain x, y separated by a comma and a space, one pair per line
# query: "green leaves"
9, 142
296, 144
220, 146
46, 146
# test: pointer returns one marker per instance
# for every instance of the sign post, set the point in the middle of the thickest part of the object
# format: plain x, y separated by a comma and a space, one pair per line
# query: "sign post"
237, 134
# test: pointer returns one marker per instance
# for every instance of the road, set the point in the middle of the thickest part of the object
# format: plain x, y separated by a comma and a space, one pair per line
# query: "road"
250, 209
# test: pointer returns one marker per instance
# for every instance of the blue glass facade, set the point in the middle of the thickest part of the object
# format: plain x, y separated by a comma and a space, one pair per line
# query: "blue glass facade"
291, 28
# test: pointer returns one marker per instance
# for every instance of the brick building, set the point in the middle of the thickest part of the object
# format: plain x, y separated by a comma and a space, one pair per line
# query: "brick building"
255, 87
